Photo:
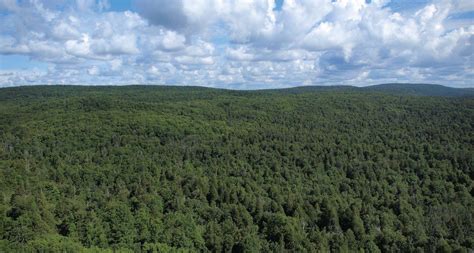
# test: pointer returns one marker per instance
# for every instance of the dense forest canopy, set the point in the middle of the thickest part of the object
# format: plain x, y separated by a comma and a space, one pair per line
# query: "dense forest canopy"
165, 169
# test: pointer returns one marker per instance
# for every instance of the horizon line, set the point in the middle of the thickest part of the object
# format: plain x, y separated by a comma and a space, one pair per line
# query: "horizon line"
229, 88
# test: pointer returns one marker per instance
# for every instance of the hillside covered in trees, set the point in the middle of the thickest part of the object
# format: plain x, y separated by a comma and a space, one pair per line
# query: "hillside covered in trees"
166, 169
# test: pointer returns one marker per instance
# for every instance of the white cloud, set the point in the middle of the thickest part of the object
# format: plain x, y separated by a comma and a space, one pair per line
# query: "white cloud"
115, 64
239, 54
65, 31
189, 60
79, 47
116, 45
8, 46
173, 41
94, 71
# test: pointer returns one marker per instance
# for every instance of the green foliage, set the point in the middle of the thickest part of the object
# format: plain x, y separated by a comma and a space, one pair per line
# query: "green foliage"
169, 169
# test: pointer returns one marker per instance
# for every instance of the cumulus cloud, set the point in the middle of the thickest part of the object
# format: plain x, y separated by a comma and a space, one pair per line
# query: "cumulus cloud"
173, 41
239, 44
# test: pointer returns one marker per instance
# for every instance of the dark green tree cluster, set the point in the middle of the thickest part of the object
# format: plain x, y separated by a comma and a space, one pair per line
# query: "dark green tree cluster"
173, 169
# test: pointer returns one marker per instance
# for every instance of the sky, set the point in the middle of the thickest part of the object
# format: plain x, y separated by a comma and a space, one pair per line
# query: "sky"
236, 44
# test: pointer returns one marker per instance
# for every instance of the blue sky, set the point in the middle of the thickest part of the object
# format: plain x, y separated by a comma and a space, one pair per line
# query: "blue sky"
238, 44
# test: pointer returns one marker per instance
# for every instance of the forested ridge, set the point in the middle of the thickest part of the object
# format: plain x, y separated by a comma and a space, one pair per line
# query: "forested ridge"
187, 169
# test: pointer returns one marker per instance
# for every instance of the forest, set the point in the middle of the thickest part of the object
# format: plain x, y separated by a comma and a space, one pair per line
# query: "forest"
189, 169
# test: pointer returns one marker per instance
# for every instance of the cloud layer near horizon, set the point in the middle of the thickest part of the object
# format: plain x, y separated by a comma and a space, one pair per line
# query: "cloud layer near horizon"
237, 44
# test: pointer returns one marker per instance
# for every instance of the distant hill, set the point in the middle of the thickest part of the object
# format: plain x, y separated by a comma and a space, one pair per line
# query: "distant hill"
303, 89
421, 89
391, 88
44, 91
